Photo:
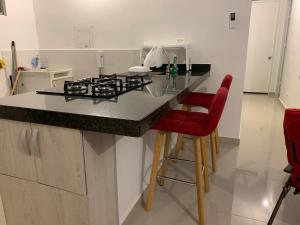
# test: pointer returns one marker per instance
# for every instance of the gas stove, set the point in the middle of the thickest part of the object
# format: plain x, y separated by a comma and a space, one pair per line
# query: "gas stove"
104, 86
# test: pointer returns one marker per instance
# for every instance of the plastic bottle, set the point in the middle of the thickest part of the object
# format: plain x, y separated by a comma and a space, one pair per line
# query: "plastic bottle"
174, 70
35, 62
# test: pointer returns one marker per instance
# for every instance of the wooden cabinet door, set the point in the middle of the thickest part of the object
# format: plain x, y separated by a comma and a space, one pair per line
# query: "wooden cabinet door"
17, 200
2, 214
74, 209
54, 206
15, 153
59, 157
29, 203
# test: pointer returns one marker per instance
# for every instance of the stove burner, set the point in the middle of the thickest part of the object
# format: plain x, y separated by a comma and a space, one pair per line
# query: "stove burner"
104, 86
75, 87
85, 80
108, 81
104, 90
104, 77
134, 81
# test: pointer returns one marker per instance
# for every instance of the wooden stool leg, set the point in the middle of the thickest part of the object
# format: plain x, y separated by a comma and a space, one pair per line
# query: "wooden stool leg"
205, 163
189, 108
178, 146
155, 164
164, 167
213, 151
185, 108
198, 168
217, 140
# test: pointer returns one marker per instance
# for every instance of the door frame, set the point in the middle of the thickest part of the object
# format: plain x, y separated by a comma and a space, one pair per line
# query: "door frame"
284, 13
289, 7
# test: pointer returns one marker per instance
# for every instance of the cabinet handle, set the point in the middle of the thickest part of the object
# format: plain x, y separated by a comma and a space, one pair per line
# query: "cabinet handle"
24, 140
35, 141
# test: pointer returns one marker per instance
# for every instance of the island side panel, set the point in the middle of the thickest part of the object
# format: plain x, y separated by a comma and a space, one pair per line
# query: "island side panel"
100, 164
134, 163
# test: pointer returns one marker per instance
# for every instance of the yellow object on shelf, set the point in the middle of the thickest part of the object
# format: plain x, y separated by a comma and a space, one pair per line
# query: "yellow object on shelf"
2, 64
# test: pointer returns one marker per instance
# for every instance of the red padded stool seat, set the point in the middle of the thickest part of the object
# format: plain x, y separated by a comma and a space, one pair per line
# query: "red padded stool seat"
196, 124
291, 126
292, 140
191, 123
205, 99
199, 99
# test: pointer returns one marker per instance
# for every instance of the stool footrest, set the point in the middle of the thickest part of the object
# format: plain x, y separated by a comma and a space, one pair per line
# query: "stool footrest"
178, 180
179, 159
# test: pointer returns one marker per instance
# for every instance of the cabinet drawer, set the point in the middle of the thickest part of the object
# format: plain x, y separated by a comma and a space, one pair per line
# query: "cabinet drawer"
59, 157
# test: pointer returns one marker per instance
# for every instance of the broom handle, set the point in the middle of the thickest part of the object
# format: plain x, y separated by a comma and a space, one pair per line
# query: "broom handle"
15, 83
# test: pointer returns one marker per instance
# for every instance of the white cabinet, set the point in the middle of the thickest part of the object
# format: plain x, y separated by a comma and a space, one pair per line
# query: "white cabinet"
16, 158
59, 157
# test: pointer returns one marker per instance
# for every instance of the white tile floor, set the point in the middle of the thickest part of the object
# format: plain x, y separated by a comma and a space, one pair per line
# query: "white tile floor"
246, 185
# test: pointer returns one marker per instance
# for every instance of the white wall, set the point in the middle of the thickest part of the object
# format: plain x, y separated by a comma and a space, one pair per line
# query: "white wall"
128, 24
290, 89
19, 25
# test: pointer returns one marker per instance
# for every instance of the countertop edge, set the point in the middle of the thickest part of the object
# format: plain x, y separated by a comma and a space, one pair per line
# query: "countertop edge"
125, 127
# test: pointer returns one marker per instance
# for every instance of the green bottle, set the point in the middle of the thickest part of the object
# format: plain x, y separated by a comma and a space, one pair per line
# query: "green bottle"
174, 70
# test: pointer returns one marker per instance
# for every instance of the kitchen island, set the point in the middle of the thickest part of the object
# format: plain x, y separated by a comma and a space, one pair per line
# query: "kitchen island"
79, 161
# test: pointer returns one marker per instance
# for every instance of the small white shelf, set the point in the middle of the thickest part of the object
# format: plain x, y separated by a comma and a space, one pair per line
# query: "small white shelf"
168, 46
32, 80
185, 46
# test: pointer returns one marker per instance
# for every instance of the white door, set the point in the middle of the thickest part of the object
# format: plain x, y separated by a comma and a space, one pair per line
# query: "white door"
263, 24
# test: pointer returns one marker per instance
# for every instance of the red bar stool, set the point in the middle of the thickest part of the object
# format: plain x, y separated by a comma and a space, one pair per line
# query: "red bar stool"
197, 124
291, 127
204, 100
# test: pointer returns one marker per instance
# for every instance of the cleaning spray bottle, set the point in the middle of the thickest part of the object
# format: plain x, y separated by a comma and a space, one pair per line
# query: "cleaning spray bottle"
174, 71
35, 62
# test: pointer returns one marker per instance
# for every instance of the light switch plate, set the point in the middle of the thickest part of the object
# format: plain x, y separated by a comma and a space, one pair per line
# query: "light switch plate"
232, 20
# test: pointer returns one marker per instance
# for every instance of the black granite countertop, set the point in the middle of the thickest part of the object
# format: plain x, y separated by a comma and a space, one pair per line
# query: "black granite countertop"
131, 114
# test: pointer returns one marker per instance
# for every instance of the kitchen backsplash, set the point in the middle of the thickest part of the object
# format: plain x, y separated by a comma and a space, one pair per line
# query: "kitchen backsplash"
82, 61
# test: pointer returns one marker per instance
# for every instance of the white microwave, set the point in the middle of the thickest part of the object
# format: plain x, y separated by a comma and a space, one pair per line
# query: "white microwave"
2, 7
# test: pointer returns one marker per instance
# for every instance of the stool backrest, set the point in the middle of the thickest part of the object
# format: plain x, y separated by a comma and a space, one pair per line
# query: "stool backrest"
226, 83
216, 108
291, 127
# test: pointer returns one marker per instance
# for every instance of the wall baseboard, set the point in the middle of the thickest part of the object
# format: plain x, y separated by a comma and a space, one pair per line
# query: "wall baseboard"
225, 139
235, 141
282, 103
